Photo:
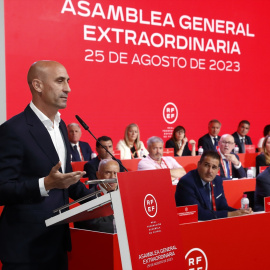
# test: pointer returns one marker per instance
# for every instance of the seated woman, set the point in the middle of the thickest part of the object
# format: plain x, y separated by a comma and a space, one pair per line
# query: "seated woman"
179, 142
266, 131
264, 158
262, 189
131, 147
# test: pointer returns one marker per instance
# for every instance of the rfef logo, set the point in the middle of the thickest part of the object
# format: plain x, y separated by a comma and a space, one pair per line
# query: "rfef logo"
150, 205
170, 113
196, 259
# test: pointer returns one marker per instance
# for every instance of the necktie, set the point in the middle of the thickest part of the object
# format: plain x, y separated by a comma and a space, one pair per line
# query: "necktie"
208, 192
243, 145
76, 156
216, 143
227, 168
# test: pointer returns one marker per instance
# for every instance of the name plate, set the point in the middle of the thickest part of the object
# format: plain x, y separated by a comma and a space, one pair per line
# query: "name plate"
250, 148
267, 204
187, 214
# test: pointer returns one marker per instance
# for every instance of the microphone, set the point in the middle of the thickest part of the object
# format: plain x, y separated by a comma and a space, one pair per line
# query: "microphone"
82, 122
87, 129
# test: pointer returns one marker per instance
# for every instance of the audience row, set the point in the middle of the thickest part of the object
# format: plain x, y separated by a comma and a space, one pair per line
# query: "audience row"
132, 147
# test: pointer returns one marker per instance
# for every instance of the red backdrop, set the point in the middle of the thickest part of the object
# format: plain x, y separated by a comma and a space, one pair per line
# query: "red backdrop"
109, 96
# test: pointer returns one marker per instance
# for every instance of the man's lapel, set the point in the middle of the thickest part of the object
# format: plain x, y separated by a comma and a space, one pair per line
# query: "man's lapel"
41, 135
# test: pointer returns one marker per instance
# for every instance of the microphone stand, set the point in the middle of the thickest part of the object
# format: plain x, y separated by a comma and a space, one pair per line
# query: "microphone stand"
87, 129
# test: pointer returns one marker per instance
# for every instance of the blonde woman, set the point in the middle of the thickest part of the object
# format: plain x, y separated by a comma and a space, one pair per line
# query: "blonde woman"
264, 158
131, 147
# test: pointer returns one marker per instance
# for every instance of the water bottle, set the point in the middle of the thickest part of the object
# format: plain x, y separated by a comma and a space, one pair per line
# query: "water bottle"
141, 153
236, 149
245, 202
200, 151
249, 173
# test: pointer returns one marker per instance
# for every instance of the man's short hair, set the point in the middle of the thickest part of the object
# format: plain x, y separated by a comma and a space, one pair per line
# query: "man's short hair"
73, 124
154, 139
244, 122
104, 139
210, 153
213, 121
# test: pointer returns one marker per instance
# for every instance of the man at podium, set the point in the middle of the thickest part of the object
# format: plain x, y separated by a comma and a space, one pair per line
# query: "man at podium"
36, 175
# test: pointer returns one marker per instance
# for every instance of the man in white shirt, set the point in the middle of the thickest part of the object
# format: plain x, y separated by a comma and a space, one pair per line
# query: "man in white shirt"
36, 175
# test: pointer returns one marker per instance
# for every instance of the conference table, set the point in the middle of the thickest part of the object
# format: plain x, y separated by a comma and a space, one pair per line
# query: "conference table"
190, 162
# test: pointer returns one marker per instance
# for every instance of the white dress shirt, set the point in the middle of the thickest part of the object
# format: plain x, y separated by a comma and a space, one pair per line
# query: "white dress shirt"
57, 140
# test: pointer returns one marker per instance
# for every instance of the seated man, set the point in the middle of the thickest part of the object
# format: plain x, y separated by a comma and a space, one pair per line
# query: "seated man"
80, 151
204, 188
107, 169
210, 141
155, 159
240, 136
230, 166
91, 167
262, 189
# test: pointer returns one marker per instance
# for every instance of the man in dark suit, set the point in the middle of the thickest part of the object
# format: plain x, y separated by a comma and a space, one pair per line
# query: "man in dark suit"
80, 151
230, 166
262, 189
107, 169
240, 136
36, 176
210, 141
91, 167
204, 188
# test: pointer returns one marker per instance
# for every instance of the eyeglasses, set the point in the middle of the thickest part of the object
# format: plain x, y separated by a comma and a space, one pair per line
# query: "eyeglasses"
229, 143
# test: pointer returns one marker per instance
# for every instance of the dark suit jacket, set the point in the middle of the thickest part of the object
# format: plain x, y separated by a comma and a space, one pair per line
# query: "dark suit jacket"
86, 151
260, 161
190, 191
170, 144
27, 154
236, 173
206, 142
262, 189
101, 224
237, 141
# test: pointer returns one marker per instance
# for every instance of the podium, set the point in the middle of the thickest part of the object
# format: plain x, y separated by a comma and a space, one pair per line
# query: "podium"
145, 216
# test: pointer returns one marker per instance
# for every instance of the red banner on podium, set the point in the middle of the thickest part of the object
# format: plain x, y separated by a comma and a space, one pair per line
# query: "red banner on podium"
267, 204
150, 219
